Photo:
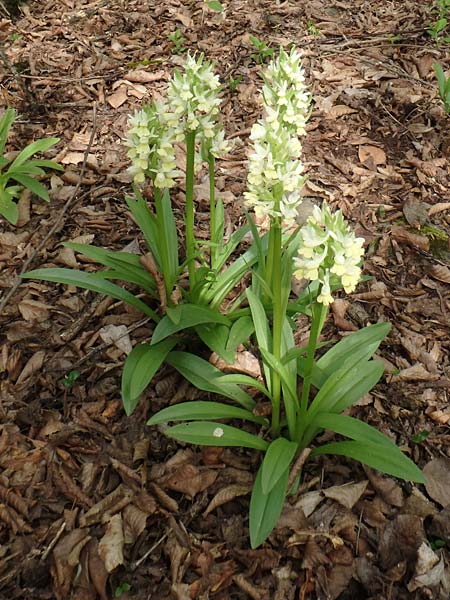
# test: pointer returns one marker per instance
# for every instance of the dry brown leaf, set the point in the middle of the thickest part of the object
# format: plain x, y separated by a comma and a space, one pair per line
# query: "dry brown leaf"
403, 236
308, 502
225, 495
98, 573
117, 335
371, 156
135, 521
190, 480
110, 547
339, 308
400, 540
347, 494
437, 484
34, 310
437, 208
32, 366
67, 257
245, 362
429, 569
416, 372
339, 110
143, 76
119, 97
24, 206
441, 273
66, 556
416, 213
108, 505
388, 489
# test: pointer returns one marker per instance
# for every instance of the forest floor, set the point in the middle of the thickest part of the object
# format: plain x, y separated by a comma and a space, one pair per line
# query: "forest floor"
94, 504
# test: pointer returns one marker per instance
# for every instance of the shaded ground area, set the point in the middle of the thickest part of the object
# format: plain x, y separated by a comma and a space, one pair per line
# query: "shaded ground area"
96, 505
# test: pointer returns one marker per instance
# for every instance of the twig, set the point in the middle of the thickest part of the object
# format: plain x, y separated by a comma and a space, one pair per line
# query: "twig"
59, 219
133, 566
54, 541
298, 466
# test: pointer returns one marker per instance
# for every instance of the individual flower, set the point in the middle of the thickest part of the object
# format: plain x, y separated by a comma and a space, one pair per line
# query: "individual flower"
275, 173
329, 248
151, 146
285, 90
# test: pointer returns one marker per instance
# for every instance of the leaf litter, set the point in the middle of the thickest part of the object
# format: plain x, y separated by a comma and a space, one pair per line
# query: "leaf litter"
82, 512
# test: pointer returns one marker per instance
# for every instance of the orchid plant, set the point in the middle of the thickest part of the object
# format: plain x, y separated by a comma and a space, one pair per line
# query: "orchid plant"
323, 252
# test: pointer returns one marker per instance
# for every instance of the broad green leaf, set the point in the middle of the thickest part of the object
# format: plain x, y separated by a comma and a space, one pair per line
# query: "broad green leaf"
48, 164
124, 265
354, 347
347, 385
242, 379
240, 332
167, 241
89, 281
277, 459
265, 509
207, 433
215, 5
285, 376
9, 209
215, 337
6, 122
204, 376
33, 185
351, 428
387, 459
190, 316
226, 251
139, 369
147, 222
199, 410
37, 146
262, 330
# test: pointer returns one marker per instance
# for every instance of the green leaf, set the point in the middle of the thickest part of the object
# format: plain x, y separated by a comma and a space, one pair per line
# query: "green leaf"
215, 5
351, 428
89, 281
147, 222
37, 146
262, 331
387, 459
139, 369
215, 337
167, 241
199, 410
242, 379
8, 208
347, 385
204, 376
48, 164
207, 433
357, 346
190, 316
8, 118
240, 332
265, 509
124, 265
277, 459
33, 185
225, 252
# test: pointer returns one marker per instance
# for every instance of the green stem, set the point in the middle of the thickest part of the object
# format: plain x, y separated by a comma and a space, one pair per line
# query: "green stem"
189, 211
212, 211
319, 312
278, 317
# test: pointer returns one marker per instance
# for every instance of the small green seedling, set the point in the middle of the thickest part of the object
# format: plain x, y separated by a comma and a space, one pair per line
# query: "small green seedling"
121, 588
312, 29
444, 86
436, 30
70, 379
233, 82
214, 5
263, 51
177, 40
22, 170
420, 437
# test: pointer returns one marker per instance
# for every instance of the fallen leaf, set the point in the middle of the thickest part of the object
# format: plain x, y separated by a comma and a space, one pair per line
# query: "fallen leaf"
416, 213
110, 547
347, 494
117, 335
437, 475
32, 366
429, 569
118, 98
226, 495
339, 110
189, 480
441, 273
416, 372
66, 557
34, 310
142, 76
371, 156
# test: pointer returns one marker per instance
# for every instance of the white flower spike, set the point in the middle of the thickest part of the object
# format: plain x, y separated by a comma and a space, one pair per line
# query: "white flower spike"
329, 248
